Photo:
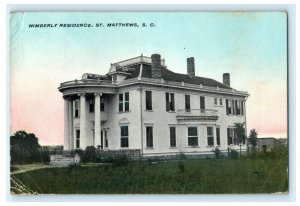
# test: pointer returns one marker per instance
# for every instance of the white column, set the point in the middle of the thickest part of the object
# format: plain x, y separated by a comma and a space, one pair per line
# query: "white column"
215, 135
97, 120
71, 126
82, 122
66, 125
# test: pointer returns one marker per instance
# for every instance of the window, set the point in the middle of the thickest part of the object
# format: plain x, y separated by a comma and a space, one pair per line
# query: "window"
231, 136
218, 136
216, 101
106, 140
210, 136
114, 78
124, 136
238, 107
170, 104
202, 104
187, 103
124, 102
149, 136
172, 136
77, 138
221, 101
76, 115
148, 100
234, 107
102, 105
91, 105
192, 136
121, 102
229, 107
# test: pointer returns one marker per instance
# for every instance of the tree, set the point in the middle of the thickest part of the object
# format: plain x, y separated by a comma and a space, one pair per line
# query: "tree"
253, 138
240, 134
24, 148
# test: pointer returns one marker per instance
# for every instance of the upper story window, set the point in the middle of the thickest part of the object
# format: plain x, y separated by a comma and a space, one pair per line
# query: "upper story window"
91, 105
239, 107
187, 103
124, 101
216, 101
210, 136
234, 107
102, 105
76, 109
229, 107
124, 136
202, 104
148, 100
192, 136
170, 103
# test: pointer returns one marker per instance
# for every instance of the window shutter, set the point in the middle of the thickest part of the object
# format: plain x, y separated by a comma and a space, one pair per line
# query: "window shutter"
235, 107
167, 102
227, 107
242, 108
172, 102
202, 103
228, 136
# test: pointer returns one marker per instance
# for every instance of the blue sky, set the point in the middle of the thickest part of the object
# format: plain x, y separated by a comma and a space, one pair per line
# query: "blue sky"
252, 46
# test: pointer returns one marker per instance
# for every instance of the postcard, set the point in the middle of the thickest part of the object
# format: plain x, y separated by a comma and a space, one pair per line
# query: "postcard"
148, 103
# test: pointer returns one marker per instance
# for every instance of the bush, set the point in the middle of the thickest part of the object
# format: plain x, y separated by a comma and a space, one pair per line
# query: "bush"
45, 156
182, 156
89, 154
281, 152
233, 154
218, 153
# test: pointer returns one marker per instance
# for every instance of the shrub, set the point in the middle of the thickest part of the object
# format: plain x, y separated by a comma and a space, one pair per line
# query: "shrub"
182, 156
45, 156
89, 154
218, 153
281, 152
233, 154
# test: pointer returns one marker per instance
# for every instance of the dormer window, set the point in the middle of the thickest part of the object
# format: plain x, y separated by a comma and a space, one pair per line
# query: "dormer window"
114, 78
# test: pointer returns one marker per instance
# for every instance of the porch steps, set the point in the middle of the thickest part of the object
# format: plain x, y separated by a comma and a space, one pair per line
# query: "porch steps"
59, 160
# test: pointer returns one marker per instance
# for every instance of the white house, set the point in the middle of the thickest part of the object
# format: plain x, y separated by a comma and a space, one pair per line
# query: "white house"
141, 105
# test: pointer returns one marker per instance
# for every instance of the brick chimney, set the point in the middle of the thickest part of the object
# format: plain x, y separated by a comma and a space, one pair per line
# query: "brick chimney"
156, 66
226, 79
190, 67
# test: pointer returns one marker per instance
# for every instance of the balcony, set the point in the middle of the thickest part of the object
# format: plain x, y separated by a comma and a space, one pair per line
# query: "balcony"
87, 86
197, 114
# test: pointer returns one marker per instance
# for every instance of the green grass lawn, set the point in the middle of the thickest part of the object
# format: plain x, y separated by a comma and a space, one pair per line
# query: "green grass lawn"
209, 176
